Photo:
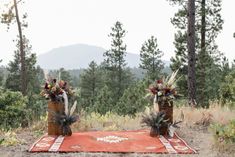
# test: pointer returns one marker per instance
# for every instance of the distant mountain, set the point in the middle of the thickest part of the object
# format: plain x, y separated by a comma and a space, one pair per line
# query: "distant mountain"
79, 56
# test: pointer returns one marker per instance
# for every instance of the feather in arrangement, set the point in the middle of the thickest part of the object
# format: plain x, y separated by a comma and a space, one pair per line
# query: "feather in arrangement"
156, 121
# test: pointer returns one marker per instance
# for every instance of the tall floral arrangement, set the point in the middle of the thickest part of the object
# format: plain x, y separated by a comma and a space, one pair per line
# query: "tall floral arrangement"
164, 91
59, 91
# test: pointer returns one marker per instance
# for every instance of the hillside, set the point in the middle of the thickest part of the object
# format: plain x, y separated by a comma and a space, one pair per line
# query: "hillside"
79, 56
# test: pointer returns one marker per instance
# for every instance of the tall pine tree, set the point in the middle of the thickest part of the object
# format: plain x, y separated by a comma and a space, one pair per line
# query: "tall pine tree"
11, 16
150, 57
34, 73
118, 76
90, 84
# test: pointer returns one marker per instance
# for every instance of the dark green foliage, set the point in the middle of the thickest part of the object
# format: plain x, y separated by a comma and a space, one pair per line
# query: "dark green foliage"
13, 111
34, 76
104, 101
75, 75
13, 79
225, 68
115, 56
138, 73
118, 77
227, 88
208, 58
180, 61
150, 57
133, 100
36, 107
65, 75
90, 84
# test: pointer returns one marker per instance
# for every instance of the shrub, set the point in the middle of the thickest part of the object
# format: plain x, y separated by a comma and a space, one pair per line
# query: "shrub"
227, 89
36, 107
224, 133
12, 109
10, 139
133, 100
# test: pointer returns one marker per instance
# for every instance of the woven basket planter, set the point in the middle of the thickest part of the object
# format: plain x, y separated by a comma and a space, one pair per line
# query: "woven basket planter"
54, 108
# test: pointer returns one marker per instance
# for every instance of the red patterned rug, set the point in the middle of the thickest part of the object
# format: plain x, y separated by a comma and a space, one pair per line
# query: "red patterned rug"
112, 141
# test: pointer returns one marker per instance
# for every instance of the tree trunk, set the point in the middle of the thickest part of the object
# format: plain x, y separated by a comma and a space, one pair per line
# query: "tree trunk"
119, 74
191, 53
22, 53
203, 53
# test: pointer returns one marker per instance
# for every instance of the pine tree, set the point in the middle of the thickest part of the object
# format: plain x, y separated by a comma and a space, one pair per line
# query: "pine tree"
12, 16
208, 25
65, 75
90, 84
150, 57
133, 100
117, 75
61, 74
34, 73
227, 88
104, 101
225, 67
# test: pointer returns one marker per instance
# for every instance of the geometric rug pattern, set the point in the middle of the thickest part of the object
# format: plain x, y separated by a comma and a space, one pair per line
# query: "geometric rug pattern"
137, 141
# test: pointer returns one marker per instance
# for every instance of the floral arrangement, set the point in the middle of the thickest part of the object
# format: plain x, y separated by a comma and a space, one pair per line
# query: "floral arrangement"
164, 89
54, 90
59, 91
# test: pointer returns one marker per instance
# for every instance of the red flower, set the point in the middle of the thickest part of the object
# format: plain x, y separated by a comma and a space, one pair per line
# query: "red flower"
46, 86
159, 82
153, 90
60, 92
54, 81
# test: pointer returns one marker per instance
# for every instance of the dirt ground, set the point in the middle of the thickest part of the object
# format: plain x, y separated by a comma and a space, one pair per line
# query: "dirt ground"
197, 137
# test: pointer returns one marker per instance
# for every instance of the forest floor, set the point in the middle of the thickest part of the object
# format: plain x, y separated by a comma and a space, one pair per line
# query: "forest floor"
197, 134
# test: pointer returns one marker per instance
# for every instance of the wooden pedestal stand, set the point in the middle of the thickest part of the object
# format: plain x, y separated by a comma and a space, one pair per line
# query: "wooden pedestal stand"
54, 107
